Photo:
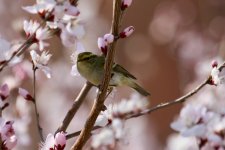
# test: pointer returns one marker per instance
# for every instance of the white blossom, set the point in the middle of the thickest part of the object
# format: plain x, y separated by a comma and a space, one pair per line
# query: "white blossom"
192, 121
71, 34
41, 7
49, 143
216, 78
178, 142
41, 61
104, 138
41, 34
118, 127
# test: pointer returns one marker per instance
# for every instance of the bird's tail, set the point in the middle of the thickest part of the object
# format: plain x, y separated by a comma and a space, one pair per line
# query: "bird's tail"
139, 89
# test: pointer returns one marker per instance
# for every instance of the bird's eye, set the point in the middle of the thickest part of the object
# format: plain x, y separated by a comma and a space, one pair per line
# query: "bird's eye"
112, 75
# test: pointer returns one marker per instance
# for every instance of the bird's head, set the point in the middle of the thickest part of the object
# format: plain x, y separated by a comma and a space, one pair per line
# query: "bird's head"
84, 56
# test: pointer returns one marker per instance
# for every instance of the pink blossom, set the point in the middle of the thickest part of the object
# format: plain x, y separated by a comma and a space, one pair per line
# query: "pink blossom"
127, 32
25, 94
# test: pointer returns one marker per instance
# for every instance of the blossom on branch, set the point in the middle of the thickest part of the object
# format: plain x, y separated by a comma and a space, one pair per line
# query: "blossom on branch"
41, 61
192, 121
134, 105
104, 41
6, 51
60, 16
108, 136
41, 34
113, 120
127, 32
25, 94
217, 78
57, 142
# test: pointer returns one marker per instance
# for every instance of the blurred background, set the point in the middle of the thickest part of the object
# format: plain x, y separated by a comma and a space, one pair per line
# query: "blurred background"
171, 40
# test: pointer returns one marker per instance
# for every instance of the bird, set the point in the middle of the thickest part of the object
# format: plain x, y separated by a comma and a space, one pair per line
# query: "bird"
91, 67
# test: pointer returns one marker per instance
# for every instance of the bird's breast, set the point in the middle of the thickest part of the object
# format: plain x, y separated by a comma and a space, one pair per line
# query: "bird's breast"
91, 72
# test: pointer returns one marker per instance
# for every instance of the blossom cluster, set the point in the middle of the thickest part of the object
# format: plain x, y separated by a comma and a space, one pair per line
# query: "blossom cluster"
8, 137
113, 120
203, 117
59, 15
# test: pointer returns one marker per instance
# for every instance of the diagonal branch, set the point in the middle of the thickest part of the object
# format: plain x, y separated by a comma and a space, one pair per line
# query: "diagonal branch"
76, 105
99, 102
162, 105
154, 108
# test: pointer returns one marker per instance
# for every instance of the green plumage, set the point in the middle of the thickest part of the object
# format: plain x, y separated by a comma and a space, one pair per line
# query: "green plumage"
91, 67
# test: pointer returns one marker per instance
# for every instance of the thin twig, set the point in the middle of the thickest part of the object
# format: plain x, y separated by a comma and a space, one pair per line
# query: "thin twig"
76, 105
157, 107
71, 135
99, 102
20, 50
40, 130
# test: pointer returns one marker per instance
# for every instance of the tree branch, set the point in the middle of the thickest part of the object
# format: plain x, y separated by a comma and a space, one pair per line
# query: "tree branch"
99, 102
162, 105
40, 130
76, 105
157, 107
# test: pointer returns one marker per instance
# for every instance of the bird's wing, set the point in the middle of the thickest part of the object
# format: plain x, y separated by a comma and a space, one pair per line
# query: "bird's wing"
120, 69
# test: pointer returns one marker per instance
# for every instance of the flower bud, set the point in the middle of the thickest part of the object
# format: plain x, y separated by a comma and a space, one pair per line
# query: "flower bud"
127, 32
214, 63
109, 38
25, 94
125, 4
60, 140
102, 45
